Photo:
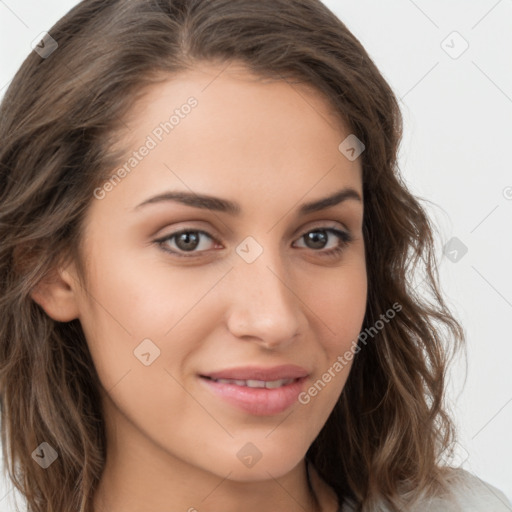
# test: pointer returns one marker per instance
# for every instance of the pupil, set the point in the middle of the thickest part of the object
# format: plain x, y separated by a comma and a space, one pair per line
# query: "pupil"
318, 238
187, 238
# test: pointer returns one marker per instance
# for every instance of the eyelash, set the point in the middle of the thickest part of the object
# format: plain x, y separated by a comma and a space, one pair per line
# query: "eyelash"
344, 237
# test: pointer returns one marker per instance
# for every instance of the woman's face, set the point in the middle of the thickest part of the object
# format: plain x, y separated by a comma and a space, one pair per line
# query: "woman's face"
252, 284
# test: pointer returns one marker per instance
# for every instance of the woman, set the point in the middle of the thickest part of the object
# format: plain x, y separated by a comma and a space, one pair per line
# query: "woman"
206, 265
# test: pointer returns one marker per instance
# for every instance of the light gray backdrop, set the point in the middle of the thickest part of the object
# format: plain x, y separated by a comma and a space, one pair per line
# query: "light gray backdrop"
450, 63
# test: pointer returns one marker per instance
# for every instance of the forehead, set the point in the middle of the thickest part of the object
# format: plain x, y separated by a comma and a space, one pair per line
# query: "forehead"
234, 84
274, 136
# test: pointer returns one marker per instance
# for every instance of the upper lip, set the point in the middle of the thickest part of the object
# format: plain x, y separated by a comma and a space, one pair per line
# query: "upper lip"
287, 371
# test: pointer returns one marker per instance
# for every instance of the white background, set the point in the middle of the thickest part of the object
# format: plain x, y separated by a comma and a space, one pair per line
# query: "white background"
455, 153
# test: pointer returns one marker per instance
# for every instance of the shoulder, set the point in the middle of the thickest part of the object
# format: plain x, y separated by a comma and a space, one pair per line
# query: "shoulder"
465, 493
468, 493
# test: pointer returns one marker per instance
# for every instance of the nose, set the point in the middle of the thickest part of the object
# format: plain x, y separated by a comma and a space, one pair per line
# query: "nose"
264, 307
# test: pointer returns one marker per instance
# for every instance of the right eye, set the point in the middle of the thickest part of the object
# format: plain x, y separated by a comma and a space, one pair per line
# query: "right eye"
185, 241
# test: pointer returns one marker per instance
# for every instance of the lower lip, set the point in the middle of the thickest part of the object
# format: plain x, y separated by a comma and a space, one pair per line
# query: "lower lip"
257, 401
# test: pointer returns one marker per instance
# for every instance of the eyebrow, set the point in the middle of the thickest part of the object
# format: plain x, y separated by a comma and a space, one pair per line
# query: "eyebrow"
207, 202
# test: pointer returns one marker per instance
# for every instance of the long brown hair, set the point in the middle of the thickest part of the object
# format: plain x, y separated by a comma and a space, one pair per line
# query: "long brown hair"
58, 124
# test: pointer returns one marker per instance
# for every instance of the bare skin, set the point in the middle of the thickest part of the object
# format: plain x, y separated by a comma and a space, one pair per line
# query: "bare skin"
172, 444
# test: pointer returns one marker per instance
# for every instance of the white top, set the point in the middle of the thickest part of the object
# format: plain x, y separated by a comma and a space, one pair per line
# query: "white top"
469, 494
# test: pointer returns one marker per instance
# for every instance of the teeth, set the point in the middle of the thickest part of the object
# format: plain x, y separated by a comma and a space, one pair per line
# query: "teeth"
255, 383
271, 384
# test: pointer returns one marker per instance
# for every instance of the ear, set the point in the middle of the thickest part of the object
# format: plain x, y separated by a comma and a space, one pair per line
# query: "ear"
56, 293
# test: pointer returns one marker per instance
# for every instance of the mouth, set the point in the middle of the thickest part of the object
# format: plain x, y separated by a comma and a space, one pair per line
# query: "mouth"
257, 397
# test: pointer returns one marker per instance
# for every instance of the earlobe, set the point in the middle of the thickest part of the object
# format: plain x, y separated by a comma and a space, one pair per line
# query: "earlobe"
56, 294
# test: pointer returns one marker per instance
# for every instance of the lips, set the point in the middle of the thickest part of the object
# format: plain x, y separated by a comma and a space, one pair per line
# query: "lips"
257, 391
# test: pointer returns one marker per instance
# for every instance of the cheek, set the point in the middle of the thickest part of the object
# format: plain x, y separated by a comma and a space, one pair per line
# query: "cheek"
136, 319
130, 300
144, 295
340, 305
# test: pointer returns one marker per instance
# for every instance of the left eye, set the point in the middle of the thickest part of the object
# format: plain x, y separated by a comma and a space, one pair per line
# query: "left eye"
319, 237
190, 241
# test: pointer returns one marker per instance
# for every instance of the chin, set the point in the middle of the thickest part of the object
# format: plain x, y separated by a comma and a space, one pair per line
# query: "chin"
273, 465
